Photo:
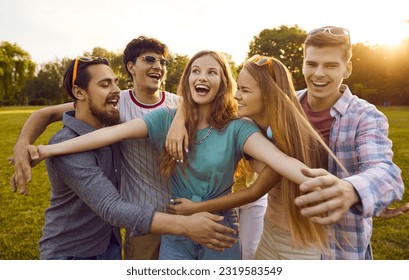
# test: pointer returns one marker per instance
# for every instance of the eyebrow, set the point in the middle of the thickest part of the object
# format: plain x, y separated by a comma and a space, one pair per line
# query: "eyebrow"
326, 63
244, 87
108, 80
198, 66
212, 69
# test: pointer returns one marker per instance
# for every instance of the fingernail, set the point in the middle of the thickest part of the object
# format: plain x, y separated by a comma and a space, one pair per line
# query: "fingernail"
298, 201
187, 150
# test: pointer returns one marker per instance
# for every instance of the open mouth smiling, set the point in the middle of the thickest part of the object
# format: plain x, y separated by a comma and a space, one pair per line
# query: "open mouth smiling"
320, 84
113, 102
155, 76
202, 89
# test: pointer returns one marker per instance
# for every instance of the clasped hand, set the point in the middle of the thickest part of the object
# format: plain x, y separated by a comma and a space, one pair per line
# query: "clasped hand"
24, 158
181, 206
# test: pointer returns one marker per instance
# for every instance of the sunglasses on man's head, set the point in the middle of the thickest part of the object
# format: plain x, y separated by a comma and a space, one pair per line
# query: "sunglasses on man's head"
82, 59
334, 31
151, 60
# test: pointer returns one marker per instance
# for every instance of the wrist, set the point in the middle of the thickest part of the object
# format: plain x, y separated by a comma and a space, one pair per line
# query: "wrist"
164, 223
182, 225
45, 151
23, 141
20, 144
353, 194
201, 206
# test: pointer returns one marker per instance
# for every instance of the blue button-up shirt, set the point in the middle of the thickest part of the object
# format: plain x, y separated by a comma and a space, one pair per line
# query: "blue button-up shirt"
85, 203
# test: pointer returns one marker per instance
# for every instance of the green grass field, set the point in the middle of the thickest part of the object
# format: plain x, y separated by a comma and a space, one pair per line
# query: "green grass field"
21, 217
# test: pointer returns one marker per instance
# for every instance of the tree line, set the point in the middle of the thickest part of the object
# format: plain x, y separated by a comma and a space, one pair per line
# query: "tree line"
380, 73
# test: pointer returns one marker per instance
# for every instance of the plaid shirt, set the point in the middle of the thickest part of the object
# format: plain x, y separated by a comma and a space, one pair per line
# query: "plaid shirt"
359, 138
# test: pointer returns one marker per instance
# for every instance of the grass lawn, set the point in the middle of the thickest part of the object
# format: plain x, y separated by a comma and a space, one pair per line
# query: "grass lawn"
390, 239
21, 217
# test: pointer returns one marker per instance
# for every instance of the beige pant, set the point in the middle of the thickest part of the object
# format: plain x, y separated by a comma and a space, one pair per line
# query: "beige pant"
144, 247
276, 244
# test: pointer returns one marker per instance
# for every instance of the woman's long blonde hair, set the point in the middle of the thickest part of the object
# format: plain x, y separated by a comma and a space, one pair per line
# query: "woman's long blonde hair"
223, 108
294, 135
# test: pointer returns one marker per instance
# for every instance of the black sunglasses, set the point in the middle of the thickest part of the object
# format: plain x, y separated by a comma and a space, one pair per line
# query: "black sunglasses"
151, 60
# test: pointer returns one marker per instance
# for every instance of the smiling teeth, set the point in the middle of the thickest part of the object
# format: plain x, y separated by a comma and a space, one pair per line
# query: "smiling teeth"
202, 87
156, 76
320, 83
113, 102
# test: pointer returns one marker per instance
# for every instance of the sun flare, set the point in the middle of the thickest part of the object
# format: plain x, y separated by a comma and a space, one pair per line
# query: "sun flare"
391, 34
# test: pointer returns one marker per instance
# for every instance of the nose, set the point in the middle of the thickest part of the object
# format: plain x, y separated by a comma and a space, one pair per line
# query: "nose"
116, 88
157, 64
237, 95
202, 76
319, 71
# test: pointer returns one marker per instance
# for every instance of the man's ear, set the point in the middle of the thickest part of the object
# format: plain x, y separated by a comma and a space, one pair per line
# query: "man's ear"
348, 70
78, 92
129, 66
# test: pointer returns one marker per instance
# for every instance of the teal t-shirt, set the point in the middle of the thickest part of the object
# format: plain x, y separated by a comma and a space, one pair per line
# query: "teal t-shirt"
209, 171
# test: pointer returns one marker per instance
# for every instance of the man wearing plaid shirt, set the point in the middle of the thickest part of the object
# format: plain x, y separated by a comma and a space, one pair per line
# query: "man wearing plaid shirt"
358, 134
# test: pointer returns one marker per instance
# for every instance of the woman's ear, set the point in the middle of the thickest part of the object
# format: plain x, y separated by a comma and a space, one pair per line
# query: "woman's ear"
78, 92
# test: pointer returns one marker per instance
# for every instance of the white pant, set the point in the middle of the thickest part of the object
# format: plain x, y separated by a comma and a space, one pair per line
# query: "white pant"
251, 226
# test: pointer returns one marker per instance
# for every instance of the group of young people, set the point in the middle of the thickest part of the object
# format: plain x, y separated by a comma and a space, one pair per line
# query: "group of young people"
322, 155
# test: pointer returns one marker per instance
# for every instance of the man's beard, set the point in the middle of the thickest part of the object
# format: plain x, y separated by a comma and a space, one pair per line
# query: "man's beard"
103, 116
